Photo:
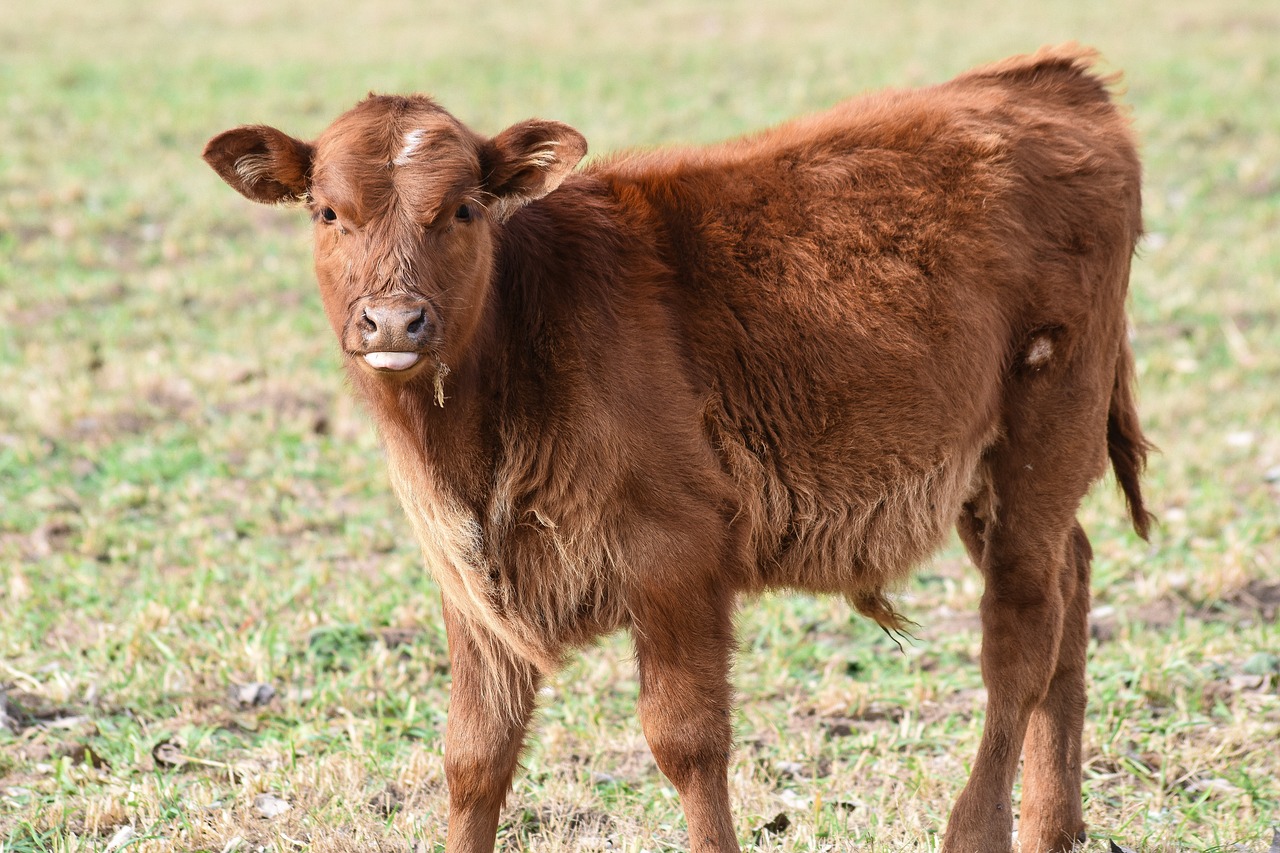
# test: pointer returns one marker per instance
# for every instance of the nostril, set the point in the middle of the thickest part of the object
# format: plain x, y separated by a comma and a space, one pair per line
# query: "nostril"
391, 326
415, 325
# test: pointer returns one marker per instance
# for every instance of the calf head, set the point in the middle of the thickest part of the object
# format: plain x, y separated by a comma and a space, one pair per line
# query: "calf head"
405, 200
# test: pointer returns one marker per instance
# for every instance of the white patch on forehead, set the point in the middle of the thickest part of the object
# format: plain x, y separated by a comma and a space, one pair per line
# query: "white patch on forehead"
412, 140
1039, 352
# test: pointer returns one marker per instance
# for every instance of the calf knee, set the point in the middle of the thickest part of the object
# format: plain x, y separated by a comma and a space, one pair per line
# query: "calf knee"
479, 773
686, 741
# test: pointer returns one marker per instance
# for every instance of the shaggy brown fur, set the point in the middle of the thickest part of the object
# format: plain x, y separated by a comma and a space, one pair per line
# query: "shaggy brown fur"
625, 396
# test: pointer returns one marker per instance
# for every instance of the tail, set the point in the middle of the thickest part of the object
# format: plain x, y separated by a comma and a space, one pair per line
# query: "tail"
1126, 445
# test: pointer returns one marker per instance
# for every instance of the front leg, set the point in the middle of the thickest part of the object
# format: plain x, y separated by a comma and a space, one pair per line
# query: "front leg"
489, 708
683, 649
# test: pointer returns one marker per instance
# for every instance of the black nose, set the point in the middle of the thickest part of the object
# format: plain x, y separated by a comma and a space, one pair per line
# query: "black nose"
394, 326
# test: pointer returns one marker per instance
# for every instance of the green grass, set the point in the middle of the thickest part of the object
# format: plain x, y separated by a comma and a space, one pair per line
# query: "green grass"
190, 501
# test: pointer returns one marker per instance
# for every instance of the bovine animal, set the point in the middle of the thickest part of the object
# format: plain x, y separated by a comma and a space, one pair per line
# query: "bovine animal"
627, 395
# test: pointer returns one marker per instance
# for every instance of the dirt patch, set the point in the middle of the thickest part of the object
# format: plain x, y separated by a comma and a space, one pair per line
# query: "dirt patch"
112, 425
20, 710
592, 829
1160, 613
1260, 597
279, 406
388, 801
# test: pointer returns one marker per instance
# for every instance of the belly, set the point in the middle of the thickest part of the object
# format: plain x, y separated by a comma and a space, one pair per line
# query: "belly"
853, 505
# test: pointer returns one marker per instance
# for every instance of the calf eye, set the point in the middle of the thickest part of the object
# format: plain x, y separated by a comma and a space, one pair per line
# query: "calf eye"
463, 213
328, 215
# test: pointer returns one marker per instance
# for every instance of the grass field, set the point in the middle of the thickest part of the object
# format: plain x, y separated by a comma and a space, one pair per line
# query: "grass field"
215, 633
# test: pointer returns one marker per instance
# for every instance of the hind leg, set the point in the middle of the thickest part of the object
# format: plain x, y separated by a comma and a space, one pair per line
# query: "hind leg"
1052, 816
1034, 561
1022, 617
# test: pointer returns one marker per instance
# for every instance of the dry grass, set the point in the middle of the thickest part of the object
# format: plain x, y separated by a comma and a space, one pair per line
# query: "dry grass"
190, 503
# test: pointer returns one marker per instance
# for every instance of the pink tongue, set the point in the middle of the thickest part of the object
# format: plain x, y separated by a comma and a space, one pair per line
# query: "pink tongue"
392, 360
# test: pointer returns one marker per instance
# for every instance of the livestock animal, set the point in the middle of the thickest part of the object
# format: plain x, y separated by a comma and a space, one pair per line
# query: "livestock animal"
627, 395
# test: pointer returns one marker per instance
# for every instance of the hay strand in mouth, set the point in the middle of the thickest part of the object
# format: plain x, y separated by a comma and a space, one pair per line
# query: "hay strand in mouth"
441, 372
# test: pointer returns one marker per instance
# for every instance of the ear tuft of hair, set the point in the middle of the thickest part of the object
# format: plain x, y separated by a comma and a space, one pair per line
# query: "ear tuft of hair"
527, 161
261, 163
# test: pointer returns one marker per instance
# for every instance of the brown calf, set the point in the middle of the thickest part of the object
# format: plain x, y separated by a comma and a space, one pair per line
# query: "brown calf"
628, 395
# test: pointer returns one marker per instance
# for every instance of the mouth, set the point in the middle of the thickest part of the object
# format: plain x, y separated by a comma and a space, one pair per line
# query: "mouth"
391, 362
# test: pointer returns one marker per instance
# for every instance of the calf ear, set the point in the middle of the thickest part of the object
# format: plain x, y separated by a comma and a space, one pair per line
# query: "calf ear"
528, 160
261, 163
